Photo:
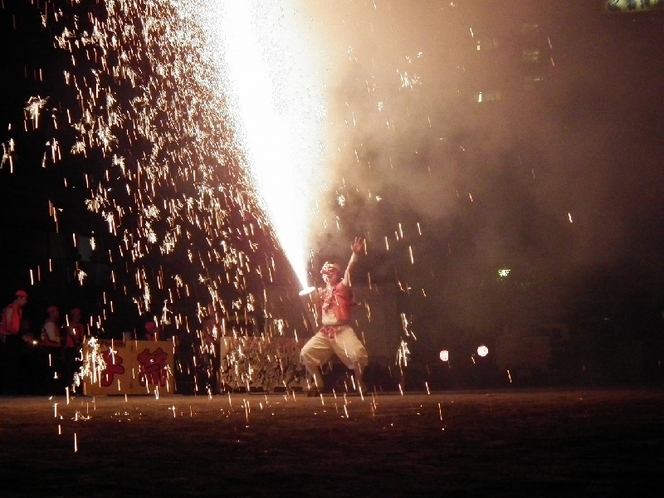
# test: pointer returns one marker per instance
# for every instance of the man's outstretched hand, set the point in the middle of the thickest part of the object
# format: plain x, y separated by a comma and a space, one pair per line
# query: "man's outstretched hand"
358, 245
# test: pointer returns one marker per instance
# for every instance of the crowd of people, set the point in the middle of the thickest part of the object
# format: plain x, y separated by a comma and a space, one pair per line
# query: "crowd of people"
43, 363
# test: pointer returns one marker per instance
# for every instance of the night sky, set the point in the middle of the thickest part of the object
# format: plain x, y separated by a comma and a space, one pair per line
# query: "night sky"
473, 135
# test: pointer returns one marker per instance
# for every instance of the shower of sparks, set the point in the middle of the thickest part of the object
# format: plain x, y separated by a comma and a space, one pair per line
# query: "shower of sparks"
403, 354
199, 125
201, 122
276, 110
33, 109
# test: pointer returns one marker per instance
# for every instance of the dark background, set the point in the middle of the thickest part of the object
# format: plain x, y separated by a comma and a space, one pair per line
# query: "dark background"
555, 173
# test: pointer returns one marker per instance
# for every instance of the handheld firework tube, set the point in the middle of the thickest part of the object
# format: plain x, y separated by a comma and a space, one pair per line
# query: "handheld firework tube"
306, 291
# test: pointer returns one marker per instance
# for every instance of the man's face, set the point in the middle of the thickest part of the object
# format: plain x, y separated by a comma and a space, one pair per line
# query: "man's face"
331, 275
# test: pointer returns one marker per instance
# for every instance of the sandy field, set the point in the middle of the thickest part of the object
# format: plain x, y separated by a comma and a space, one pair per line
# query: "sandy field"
498, 443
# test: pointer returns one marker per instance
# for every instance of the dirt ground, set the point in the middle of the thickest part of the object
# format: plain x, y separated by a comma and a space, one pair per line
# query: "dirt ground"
499, 443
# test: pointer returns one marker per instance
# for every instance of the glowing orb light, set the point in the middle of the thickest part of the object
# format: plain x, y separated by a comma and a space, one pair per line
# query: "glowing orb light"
482, 351
444, 355
504, 272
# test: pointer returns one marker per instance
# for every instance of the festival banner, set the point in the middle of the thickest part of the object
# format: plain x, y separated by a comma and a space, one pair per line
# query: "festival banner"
263, 363
132, 367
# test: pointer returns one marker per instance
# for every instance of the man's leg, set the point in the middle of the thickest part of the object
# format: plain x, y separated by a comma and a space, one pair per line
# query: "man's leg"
315, 353
352, 353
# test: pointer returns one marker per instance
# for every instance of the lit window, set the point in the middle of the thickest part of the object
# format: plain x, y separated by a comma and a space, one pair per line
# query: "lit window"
480, 97
632, 5
530, 29
486, 44
531, 56
531, 82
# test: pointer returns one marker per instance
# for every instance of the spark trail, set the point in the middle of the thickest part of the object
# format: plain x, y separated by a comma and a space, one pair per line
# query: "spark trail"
278, 112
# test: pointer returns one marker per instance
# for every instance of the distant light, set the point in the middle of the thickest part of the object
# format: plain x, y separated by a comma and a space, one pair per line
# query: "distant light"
489, 96
482, 351
504, 272
631, 6
444, 355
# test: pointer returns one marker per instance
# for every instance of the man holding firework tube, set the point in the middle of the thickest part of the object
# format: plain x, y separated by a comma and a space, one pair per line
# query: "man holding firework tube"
336, 335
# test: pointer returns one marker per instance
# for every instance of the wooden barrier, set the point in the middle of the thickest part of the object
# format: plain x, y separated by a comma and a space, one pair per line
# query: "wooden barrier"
261, 363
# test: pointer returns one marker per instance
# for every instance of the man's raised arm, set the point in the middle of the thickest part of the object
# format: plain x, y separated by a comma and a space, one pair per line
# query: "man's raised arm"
357, 246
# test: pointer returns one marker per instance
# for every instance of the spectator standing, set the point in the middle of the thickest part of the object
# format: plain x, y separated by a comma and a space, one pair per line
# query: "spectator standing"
72, 343
29, 359
10, 343
152, 332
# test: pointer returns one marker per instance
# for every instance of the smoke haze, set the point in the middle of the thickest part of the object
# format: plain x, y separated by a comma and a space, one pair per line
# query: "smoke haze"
557, 179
